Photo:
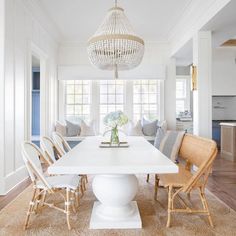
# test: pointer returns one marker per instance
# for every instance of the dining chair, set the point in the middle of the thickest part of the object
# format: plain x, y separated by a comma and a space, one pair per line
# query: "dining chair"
60, 143
50, 149
65, 185
63, 147
200, 153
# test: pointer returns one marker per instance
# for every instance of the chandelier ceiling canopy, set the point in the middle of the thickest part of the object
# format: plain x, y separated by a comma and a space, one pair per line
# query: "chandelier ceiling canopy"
115, 46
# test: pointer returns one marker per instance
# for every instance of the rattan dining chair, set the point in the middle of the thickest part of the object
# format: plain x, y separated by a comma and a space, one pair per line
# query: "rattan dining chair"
63, 147
50, 149
60, 143
194, 151
65, 185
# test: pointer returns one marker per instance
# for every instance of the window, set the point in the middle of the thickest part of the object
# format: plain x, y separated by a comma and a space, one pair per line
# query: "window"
111, 97
77, 100
92, 100
146, 99
182, 95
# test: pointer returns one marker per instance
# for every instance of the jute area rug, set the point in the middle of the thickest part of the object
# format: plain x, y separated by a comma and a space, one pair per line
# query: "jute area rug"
153, 214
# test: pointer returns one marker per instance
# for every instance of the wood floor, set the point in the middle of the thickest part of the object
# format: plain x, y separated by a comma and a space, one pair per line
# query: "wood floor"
4, 200
221, 183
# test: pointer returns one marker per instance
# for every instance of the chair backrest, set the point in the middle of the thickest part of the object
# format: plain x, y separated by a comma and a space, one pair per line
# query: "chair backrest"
60, 143
31, 154
49, 148
201, 153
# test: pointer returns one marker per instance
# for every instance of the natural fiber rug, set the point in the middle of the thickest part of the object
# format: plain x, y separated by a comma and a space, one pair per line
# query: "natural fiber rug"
153, 214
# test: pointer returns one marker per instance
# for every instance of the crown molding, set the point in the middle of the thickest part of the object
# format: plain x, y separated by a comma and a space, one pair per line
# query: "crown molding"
195, 16
37, 12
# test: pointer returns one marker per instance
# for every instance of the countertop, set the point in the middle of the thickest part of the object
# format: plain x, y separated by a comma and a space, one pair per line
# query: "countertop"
228, 124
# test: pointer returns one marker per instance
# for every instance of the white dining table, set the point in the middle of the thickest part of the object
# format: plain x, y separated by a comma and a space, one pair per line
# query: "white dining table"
115, 183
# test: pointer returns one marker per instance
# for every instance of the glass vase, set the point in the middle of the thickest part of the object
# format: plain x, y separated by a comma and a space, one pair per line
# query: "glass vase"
115, 136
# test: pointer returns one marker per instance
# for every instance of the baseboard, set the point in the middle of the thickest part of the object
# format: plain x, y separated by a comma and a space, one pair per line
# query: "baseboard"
13, 179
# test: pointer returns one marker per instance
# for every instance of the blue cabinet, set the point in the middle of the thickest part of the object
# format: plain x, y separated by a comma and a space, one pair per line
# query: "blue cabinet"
216, 132
35, 112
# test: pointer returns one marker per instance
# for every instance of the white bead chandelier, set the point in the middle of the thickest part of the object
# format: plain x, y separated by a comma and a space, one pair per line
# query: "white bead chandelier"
115, 46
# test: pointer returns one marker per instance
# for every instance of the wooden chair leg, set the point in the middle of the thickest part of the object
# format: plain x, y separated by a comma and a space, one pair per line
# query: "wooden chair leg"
30, 210
43, 198
189, 196
170, 204
38, 201
147, 179
72, 200
205, 206
67, 207
84, 184
86, 178
77, 197
82, 190
156, 186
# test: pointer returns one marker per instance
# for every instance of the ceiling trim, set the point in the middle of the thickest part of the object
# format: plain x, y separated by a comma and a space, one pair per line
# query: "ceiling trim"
195, 17
35, 9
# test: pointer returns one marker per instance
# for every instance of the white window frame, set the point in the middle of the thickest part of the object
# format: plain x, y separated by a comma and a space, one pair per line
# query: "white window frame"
65, 99
95, 101
158, 98
188, 88
101, 128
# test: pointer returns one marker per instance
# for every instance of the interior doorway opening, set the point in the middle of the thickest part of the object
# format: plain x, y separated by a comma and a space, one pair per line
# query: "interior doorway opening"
35, 98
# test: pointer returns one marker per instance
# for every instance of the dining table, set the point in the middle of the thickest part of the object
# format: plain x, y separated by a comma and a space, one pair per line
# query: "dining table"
114, 171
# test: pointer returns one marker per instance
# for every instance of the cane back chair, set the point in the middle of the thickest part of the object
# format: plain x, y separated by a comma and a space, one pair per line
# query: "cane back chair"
194, 152
65, 185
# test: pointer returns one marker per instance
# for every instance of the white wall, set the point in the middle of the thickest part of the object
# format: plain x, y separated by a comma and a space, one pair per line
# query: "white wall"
202, 97
224, 108
224, 71
170, 95
2, 54
22, 30
156, 53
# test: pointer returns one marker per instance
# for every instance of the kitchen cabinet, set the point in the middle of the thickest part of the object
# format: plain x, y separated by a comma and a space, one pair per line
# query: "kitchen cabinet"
228, 141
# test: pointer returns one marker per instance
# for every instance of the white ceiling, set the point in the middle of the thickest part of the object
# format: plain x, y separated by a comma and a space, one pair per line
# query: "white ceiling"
223, 24
77, 20
223, 27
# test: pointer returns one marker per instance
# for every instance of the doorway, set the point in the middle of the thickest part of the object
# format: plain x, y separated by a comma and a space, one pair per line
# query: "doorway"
35, 98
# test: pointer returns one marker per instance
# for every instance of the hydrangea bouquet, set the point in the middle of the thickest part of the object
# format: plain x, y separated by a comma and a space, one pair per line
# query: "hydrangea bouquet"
114, 120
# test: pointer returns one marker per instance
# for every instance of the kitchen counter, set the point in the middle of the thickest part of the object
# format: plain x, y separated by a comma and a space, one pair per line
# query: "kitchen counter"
228, 140
228, 123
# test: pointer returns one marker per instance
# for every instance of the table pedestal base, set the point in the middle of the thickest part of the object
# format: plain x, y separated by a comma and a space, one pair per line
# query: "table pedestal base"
115, 208
133, 221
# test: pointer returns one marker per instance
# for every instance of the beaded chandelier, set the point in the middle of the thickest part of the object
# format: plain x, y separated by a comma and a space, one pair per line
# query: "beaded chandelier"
115, 46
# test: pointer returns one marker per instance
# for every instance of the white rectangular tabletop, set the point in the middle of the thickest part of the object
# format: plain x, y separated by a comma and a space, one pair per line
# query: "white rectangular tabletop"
88, 158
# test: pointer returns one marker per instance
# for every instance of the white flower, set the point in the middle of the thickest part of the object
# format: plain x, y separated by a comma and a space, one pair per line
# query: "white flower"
114, 119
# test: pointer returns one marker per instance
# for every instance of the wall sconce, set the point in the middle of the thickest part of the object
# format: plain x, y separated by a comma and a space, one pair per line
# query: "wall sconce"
193, 73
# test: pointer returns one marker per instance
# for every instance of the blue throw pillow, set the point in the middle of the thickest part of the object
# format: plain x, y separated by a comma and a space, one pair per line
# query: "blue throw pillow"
72, 129
170, 144
159, 136
149, 128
